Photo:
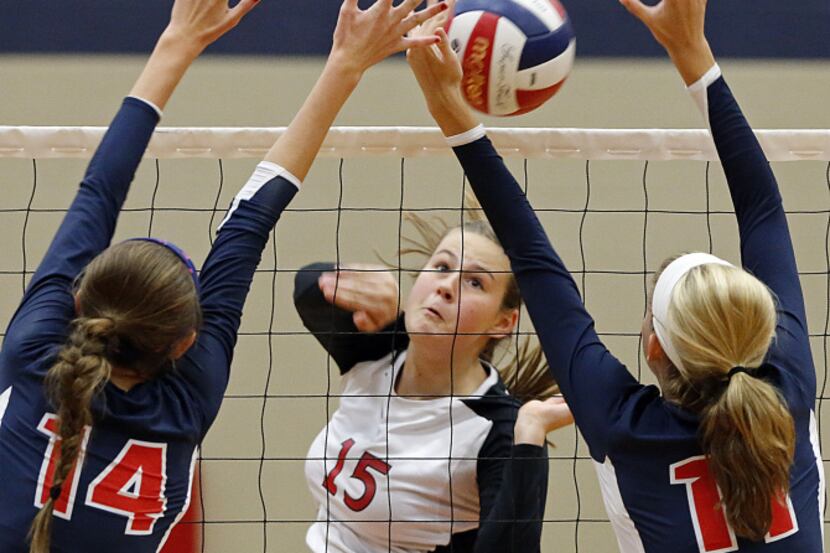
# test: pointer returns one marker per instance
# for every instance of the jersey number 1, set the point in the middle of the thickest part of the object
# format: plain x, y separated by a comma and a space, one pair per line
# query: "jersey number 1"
361, 472
714, 535
132, 485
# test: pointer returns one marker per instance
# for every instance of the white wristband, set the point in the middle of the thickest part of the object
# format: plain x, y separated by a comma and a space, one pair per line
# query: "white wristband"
466, 137
265, 171
698, 90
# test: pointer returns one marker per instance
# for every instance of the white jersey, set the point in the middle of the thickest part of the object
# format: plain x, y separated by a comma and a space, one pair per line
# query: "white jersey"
419, 454
397, 475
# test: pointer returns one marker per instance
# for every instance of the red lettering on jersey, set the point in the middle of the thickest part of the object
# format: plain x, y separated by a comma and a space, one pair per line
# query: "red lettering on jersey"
714, 535
133, 486
784, 523
328, 482
712, 530
361, 472
50, 426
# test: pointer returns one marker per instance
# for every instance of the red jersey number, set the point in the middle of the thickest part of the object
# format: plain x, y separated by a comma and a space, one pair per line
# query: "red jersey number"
132, 485
714, 535
63, 506
361, 472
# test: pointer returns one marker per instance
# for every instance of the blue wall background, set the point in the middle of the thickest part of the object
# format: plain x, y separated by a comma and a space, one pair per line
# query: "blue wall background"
736, 28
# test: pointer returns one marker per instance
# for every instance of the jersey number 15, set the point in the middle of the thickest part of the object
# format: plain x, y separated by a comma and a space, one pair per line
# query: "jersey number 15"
132, 485
361, 472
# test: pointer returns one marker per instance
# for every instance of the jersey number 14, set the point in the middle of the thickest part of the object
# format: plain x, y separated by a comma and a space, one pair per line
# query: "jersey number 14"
132, 485
714, 535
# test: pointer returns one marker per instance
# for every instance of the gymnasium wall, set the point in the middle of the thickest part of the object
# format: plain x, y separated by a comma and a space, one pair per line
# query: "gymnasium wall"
762, 28
40, 87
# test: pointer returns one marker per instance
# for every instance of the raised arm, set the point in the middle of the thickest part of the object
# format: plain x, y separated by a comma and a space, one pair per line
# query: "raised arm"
593, 382
766, 246
361, 39
87, 229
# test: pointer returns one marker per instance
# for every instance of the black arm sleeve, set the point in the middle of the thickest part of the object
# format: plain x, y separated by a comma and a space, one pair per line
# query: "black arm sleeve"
513, 492
334, 327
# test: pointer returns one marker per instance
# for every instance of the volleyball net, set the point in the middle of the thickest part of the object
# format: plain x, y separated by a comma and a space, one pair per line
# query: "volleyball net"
614, 202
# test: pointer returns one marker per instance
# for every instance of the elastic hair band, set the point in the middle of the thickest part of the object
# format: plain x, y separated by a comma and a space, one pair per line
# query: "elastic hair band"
669, 278
191, 267
55, 492
735, 370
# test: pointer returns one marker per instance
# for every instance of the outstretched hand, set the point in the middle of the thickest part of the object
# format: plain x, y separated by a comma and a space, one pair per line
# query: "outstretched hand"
678, 25
362, 38
437, 69
537, 418
370, 291
194, 25
439, 76
204, 21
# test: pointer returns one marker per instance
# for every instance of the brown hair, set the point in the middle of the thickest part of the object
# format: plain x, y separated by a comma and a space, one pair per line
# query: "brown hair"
723, 317
136, 301
527, 375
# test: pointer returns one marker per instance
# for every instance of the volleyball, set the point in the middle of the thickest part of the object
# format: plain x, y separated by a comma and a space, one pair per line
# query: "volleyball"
515, 54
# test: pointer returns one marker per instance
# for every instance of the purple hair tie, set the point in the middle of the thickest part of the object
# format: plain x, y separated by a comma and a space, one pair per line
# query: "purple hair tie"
191, 268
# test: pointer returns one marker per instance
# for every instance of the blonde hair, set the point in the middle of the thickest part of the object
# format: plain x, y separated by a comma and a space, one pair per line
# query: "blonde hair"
136, 301
723, 317
527, 375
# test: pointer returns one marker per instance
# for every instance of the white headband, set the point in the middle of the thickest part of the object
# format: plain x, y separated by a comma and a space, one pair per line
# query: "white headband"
669, 278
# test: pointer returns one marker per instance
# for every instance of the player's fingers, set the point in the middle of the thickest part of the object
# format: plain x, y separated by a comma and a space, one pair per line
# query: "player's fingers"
417, 42
638, 9
349, 5
382, 5
444, 44
363, 322
331, 283
406, 7
239, 11
346, 299
415, 19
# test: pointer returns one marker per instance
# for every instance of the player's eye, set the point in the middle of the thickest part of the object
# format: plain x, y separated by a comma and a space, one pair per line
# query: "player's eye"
441, 266
475, 282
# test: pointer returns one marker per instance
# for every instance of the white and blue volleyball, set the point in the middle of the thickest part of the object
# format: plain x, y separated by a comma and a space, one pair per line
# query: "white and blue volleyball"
516, 54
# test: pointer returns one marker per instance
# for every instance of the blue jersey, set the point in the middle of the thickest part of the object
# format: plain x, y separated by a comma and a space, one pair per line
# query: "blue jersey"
653, 474
135, 478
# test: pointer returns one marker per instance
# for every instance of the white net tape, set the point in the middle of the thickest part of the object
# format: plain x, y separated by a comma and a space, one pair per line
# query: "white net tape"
529, 143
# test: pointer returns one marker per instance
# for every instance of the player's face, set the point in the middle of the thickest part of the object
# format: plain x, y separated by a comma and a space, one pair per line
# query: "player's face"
444, 300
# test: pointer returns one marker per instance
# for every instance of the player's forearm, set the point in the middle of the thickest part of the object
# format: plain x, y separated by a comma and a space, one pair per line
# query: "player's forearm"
692, 60
450, 111
298, 147
170, 59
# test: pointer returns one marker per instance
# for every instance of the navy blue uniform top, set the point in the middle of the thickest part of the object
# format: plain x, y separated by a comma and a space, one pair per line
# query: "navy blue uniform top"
496, 496
136, 476
651, 467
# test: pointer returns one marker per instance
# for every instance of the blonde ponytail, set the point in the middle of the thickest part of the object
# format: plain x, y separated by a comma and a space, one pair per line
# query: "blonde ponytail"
721, 318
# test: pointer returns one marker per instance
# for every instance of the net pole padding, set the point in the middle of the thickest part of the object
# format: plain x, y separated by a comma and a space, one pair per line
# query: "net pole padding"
410, 142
